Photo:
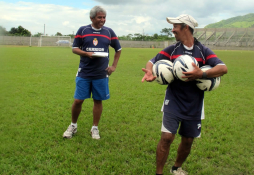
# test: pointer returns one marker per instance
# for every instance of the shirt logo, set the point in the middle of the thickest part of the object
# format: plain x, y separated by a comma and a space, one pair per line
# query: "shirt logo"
94, 49
95, 41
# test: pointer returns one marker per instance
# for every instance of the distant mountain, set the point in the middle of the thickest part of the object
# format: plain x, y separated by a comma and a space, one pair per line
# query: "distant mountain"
246, 21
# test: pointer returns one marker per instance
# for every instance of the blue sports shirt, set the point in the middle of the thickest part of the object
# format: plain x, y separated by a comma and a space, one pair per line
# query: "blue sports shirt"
90, 39
185, 99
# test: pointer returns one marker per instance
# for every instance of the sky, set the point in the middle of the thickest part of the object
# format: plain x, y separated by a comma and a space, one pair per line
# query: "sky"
125, 17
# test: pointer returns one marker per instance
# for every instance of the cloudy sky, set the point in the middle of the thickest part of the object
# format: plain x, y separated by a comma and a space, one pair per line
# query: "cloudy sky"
123, 16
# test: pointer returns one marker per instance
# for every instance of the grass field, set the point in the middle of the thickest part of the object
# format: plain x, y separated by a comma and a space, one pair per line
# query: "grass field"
36, 94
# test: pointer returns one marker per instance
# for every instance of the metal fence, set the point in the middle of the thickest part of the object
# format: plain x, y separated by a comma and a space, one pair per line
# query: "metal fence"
36, 41
214, 38
19, 40
226, 38
32, 41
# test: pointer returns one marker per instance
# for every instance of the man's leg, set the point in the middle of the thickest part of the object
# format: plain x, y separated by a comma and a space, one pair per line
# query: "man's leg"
183, 150
72, 128
163, 150
97, 110
76, 109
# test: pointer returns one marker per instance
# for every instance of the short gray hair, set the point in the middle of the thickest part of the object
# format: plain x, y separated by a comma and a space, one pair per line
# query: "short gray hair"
95, 10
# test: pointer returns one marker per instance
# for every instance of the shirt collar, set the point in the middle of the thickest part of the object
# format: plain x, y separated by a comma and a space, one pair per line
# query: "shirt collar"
95, 28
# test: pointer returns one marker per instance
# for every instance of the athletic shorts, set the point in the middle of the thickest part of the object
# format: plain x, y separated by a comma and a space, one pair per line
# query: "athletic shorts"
98, 88
188, 128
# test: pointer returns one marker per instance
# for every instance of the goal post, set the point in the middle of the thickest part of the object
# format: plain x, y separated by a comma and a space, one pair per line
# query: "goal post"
57, 41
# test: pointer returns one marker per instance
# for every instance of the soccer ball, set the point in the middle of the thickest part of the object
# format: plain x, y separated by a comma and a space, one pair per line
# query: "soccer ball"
163, 71
207, 84
182, 64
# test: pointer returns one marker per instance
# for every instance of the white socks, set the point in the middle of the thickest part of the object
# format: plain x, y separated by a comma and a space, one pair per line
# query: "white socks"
96, 127
74, 124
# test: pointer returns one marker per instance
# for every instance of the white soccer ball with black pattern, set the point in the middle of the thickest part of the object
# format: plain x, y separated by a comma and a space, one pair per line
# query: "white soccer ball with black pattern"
163, 70
208, 84
182, 64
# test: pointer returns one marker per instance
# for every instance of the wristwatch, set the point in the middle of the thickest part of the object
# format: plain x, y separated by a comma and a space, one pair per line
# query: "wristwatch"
204, 76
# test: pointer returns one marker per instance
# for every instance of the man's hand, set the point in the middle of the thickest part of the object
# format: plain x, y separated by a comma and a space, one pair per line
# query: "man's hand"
193, 75
110, 70
148, 75
80, 52
90, 55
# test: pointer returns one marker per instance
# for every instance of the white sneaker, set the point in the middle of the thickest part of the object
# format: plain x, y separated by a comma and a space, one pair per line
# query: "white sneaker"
71, 130
179, 171
95, 133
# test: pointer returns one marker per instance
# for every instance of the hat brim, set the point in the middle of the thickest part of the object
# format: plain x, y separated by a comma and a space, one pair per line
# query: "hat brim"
173, 20
177, 21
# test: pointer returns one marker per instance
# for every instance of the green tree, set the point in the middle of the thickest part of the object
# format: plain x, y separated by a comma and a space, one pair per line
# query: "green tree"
155, 36
138, 37
122, 37
38, 34
3, 31
71, 35
13, 31
58, 34
129, 37
166, 31
20, 31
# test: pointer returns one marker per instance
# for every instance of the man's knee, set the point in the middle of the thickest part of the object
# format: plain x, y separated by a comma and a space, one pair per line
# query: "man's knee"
187, 142
167, 138
97, 103
78, 102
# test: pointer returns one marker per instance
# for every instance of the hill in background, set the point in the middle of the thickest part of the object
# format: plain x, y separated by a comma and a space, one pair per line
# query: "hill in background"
246, 21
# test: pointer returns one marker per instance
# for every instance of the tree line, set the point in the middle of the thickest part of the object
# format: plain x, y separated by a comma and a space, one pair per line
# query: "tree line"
21, 31
166, 34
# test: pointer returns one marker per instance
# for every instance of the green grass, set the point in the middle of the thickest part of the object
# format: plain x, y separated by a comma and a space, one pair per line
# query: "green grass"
36, 94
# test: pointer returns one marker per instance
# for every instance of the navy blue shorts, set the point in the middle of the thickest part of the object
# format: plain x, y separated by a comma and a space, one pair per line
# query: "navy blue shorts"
98, 88
188, 128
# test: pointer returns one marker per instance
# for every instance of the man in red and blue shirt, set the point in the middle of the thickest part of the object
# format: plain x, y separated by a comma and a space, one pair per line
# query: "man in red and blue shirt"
92, 44
183, 103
